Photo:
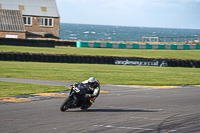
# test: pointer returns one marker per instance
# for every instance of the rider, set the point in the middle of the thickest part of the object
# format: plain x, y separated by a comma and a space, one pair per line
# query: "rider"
94, 89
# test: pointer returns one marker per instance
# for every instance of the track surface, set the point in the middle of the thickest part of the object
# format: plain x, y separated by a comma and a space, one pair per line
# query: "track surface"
126, 109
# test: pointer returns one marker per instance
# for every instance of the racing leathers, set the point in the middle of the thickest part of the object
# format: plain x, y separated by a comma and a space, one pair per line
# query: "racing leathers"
93, 91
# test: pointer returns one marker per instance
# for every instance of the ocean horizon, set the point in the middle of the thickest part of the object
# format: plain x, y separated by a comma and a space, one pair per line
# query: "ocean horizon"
91, 32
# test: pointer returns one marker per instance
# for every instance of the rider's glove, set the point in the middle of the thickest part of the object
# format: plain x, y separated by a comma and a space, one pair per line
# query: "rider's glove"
72, 84
88, 95
90, 88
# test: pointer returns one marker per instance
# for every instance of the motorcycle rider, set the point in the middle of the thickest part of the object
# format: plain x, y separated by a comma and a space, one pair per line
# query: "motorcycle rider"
93, 87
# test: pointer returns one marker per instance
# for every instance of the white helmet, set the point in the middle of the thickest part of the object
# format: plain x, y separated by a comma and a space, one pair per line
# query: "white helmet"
92, 82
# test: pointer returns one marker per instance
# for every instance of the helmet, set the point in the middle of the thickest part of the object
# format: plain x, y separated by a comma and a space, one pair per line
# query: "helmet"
91, 82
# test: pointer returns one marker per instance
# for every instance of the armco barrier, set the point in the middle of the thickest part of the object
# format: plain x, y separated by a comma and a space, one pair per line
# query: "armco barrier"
9, 56
138, 46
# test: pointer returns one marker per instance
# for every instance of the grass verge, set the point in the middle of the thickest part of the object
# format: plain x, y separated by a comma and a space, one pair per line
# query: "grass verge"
15, 89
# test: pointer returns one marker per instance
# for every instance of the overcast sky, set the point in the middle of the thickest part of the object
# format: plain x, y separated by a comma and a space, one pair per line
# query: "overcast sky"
140, 13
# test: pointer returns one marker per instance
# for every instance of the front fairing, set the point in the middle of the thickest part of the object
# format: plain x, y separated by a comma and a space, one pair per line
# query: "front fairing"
78, 96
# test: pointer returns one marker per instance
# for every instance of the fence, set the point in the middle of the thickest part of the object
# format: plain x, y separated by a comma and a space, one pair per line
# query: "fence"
53, 43
171, 39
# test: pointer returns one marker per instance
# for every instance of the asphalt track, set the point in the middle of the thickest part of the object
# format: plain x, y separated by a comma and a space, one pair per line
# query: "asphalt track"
125, 109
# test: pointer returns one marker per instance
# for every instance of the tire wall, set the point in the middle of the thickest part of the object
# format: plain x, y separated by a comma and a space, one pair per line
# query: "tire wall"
35, 43
31, 57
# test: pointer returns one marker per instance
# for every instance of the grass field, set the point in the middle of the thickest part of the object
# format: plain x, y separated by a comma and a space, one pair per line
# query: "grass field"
106, 74
171, 54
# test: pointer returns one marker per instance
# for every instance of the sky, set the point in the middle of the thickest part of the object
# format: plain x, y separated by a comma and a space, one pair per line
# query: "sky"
138, 13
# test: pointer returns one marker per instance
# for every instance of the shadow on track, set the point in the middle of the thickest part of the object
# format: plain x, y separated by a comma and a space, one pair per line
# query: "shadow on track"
111, 110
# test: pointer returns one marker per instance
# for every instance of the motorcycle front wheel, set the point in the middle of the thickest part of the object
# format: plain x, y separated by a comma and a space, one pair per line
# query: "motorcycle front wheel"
65, 105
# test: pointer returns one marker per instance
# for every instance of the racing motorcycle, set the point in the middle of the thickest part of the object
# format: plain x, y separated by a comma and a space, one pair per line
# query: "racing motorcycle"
77, 98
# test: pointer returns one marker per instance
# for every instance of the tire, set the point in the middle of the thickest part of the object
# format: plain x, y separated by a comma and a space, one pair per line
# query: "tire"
86, 106
65, 105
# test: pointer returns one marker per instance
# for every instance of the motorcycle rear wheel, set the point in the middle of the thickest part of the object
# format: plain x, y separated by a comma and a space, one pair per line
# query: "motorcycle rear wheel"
85, 107
65, 105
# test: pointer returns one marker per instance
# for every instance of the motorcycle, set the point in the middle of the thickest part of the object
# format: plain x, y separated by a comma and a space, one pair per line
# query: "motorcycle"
77, 98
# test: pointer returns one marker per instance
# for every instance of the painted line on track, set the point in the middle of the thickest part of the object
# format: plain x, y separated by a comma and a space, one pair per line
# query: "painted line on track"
15, 99
155, 87
160, 87
197, 85
43, 96
36, 97
131, 128
32, 97
52, 94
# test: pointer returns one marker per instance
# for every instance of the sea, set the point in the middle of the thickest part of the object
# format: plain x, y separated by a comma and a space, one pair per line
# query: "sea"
88, 32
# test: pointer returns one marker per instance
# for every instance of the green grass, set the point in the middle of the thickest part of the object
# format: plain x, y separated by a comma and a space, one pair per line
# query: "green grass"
171, 54
14, 89
106, 74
